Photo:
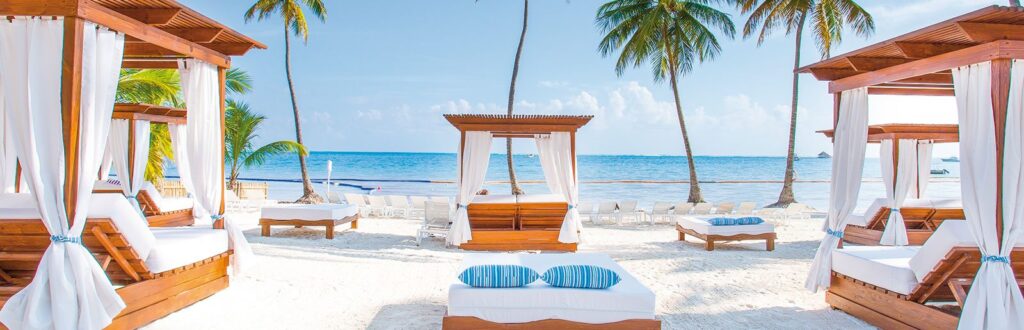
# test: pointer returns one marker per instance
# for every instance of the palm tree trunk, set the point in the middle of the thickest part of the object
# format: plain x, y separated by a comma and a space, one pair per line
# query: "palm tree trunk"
695, 194
786, 197
308, 195
516, 190
1015, 3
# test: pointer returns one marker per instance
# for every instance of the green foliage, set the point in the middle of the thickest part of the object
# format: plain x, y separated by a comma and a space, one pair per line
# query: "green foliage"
828, 18
291, 11
242, 127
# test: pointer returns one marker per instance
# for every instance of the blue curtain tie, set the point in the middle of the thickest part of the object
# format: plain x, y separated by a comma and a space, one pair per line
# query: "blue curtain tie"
132, 197
572, 206
462, 206
65, 239
1002, 259
895, 209
838, 234
217, 217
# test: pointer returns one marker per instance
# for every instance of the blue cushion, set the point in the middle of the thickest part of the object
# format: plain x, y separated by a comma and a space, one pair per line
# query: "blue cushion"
498, 276
581, 277
743, 221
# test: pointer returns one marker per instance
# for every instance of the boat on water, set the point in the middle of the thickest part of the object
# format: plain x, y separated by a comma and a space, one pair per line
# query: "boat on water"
953, 159
824, 155
940, 171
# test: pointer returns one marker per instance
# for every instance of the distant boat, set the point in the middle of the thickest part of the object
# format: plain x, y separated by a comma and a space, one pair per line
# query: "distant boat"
796, 158
940, 171
953, 159
531, 155
824, 155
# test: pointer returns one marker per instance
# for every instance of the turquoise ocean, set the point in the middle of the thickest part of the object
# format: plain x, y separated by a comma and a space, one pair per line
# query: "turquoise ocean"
604, 177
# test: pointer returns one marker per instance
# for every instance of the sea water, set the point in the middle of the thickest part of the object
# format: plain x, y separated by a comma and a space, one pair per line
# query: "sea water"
603, 177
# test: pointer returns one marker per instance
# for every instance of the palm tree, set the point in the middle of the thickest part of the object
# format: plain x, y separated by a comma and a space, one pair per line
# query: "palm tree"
672, 36
1015, 3
828, 18
516, 190
294, 17
242, 126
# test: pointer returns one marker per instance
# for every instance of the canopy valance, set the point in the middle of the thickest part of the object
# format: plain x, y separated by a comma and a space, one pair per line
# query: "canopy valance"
935, 133
517, 126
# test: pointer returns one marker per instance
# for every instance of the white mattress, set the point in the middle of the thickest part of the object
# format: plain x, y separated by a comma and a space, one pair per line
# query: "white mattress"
545, 198
862, 218
700, 225
166, 204
494, 199
884, 266
176, 247
105, 185
625, 301
950, 234
18, 206
308, 212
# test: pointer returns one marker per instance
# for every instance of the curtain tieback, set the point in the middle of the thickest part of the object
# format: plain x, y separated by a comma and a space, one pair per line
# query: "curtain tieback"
895, 210
217, 217
571, 206
462, 206
65, 239
132, 197
1002, 259
837, 233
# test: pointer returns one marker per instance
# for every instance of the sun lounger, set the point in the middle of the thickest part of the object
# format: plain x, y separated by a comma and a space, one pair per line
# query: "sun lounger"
661, 210
399, 206
358, 200
164, 212
627, 305
334, 198
302, 215
158, 270
436, 221
901, 287
417, 206
725, 208
681, 209
921, 216
702, 208
586, 210
605, 210
379, 206
517, 223
746, 208
628, 210
697, 226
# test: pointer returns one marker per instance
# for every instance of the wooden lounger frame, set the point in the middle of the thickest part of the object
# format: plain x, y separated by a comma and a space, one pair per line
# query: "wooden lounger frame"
517, 227
709, 240
158, 218
149, 296
921, 223
473, 323
947, 282
265, 224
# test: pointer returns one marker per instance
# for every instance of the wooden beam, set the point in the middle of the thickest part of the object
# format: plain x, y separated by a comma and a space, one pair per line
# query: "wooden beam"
909, 91
833, 74
874, 63
916, 50
988, 32
198, 35
149, 64
1000, 100
230, 48
71, 107
135, 50
944, 78
151, 16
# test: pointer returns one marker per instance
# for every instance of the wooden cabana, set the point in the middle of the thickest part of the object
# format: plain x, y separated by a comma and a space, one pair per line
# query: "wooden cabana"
524, 222
975, 57
78, 47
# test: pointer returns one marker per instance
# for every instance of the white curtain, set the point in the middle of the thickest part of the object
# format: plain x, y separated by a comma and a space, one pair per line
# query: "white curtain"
994, 301
131, 176
556, 159
8, 159
180, 149
898, 182
108, 161
851, 137
200, 85
924, 169
473, 161
69, 290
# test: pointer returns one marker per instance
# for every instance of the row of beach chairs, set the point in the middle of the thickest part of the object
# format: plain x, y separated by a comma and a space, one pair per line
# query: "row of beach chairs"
626, 211
389, 206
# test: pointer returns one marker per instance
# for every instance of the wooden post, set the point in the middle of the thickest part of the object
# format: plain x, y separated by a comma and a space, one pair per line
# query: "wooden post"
71, 107
1000, 98
895, 164
131, 152
222, 78
17, 176
572, 144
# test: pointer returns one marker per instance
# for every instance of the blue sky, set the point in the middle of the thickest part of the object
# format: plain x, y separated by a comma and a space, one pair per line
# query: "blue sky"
378, 75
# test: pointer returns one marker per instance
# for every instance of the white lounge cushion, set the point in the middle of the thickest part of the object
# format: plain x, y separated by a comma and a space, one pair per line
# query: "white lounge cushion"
166, 204
538, 301
950, 234
700, 225
180, 246
308, 212
862, 218
494, 199
952, 203
105, 185
884, 266
543, 198
113, 206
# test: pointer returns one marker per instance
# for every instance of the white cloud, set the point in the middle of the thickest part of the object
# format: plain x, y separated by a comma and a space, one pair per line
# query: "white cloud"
372, 114
553, 83
901, 12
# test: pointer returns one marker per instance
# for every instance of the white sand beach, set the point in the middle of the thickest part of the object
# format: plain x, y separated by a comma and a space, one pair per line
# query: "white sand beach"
377, 278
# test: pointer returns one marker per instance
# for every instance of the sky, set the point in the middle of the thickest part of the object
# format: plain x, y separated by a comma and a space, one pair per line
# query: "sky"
378, 75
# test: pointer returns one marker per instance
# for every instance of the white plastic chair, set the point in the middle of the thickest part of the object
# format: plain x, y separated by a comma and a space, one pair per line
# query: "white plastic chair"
379, 206
746, 208
418, 206
400, 204
661, 210
360, 201
725, 208
334, 198
436, 220
702, 208
605, 210
681, 209
628, 210
586, 210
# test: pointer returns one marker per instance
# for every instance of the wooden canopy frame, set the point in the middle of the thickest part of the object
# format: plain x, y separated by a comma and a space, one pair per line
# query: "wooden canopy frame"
936, 133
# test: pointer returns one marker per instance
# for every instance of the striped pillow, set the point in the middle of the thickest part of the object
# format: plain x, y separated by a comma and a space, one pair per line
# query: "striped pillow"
498, 276
581, 277
742, 221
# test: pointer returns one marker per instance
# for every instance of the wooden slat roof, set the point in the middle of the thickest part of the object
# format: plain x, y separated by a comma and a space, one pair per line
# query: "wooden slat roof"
979, 27
149, 112
179, 20
518, 124
938, 133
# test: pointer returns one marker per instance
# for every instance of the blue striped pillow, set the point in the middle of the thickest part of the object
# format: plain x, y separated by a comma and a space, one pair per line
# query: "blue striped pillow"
581, 277
498, 276
742, 221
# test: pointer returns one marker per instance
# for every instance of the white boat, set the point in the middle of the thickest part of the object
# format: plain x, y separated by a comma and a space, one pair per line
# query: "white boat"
953, 159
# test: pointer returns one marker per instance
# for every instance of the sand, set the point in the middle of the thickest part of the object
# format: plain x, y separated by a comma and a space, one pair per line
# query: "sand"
377, 278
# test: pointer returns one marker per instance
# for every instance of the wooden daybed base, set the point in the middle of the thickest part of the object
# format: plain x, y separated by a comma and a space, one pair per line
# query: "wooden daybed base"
920, 222
473, 323
948, 282
147, 296
517, 227
709, 240
265, 224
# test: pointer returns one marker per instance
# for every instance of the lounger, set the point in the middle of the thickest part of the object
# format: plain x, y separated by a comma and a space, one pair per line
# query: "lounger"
698, 226
921, 216
605, 210
436, 221
627, 305
157, 270
418, 205
661, 210
628, 210
164, 212
702, 208
359, 201
586, 210
399, 206
905, 286
379, 206
517, 223
303, 215
681, 209
725, 208
746, 208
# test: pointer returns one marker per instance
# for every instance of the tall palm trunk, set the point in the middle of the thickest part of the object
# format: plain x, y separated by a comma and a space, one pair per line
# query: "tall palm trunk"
308, 195
695, 194
786, 197
516, 190
1015, 3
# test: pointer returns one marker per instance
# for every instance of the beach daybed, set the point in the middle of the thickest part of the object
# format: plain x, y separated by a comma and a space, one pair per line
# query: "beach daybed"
920, 216
164, 212
627, 305
303, 215
524, 222
698, 226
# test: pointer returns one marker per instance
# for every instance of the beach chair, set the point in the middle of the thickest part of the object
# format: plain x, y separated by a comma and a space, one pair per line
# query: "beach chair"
436, 220
605, 210
586, 210
400, 206
661, 210
702, 208
796, 211
725, 208
418, 205
164, 212
440, 199
628, 210
379, 206
360, 201
746, 208
334, 198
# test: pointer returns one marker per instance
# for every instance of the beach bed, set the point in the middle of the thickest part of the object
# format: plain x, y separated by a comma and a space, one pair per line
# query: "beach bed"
698, 227
921, 216
302, 215
513, 223
627, 305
